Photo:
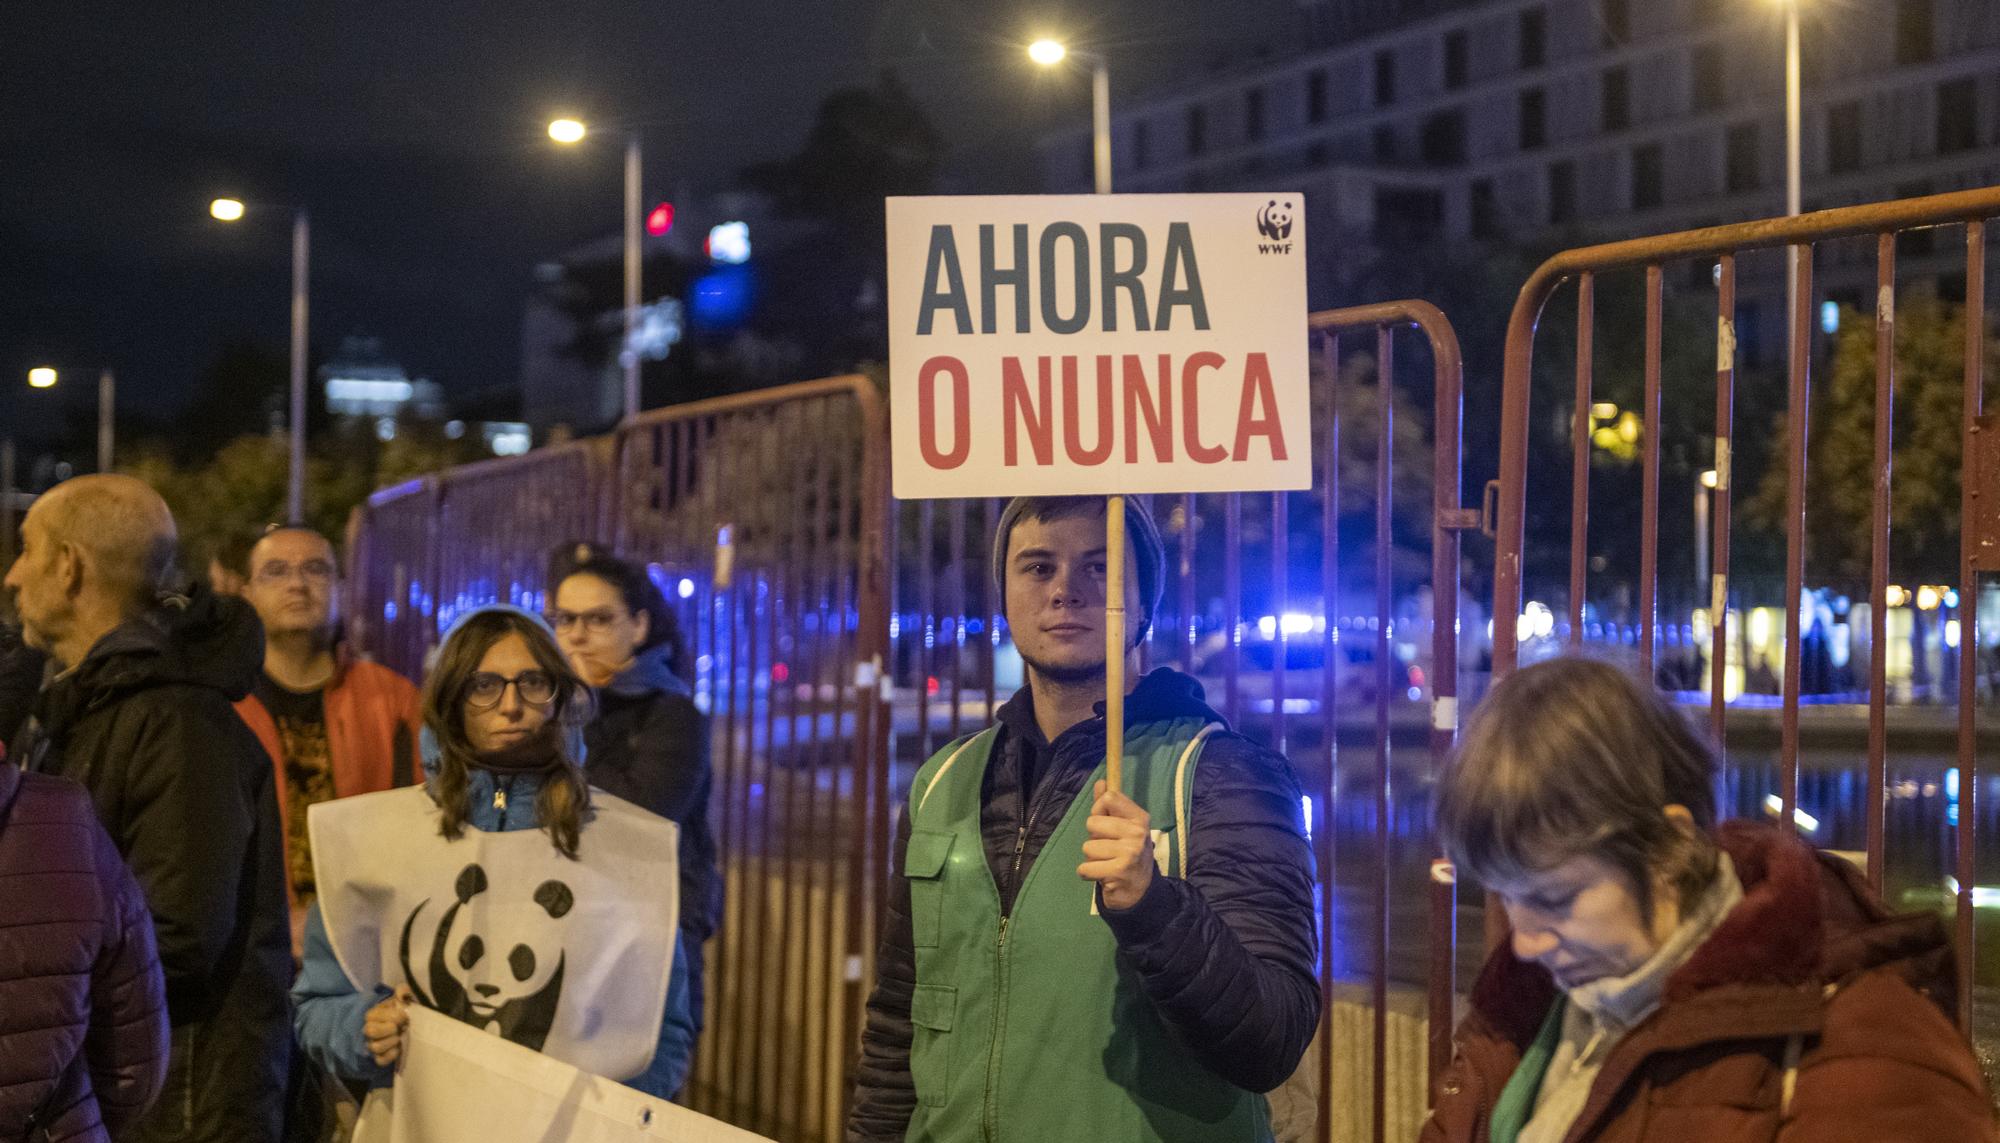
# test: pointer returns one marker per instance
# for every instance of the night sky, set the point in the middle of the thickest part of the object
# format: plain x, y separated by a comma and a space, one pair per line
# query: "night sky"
413, 131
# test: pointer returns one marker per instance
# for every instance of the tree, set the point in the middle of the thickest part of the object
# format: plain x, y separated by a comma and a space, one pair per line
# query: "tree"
866, 144
823, 288
1840, 449
241, 488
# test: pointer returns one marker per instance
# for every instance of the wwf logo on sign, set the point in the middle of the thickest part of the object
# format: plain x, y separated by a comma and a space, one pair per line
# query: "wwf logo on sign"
1274, 222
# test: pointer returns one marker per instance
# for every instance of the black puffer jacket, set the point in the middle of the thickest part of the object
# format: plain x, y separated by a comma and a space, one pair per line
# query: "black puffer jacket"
183, 788
648, 744
20, 678
83, 1017
1227, 955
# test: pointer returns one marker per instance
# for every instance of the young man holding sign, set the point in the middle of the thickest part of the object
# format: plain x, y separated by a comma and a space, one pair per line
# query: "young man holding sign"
1064, 960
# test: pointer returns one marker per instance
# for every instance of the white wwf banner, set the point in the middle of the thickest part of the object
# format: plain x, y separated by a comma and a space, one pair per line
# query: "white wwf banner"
457, 1085
499, 930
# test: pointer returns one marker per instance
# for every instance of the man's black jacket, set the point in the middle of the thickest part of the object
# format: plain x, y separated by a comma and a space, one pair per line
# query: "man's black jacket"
185, 791
1227, 956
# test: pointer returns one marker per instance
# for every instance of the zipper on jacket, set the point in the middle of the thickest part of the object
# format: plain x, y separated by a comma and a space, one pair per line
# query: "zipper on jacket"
990, 1128
1034, 801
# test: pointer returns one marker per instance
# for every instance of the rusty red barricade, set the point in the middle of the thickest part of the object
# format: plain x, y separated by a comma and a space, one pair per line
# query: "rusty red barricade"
1282, 673
1800, 238
761, 517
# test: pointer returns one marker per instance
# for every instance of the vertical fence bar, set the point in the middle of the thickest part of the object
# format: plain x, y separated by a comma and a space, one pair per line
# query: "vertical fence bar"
1725, 432
1649, 511
926, 615
1968, 613
1325, 823
989, 618
742, 967
1280, 603
1384, 457
1579, 480
839, 546
958, 607
1798, 406
758, 543
1186, 635
1447, 473
874, 749
1232, 602
1878, 559
786, 593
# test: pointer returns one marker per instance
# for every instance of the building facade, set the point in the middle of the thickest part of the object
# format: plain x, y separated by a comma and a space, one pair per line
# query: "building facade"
1535, 122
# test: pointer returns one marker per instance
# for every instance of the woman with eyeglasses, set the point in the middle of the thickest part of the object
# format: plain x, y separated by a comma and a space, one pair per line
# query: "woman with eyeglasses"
648, 743
504, 891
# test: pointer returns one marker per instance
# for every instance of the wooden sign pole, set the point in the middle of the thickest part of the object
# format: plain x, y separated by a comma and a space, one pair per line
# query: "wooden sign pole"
1114, 642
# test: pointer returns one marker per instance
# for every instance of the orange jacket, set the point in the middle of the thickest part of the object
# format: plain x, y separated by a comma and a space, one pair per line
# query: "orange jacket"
372, 718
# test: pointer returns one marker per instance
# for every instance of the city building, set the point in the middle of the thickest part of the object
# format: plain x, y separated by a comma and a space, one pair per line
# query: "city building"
362, 381
1539, 122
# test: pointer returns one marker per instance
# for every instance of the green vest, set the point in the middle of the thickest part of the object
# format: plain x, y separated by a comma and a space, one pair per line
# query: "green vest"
1031, 1028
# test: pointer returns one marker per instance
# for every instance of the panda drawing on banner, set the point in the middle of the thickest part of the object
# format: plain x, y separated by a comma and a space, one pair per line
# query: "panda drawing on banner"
469, 977
567, 957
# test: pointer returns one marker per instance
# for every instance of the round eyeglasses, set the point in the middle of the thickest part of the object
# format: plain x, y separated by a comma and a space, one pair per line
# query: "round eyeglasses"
486, 688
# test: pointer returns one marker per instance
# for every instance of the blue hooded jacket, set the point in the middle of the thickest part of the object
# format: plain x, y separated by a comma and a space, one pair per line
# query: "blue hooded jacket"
328, 1013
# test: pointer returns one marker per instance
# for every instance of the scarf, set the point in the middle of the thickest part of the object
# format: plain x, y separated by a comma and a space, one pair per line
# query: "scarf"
538, 753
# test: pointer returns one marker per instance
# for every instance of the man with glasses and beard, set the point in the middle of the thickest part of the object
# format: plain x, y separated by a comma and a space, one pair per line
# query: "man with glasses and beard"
1066, 961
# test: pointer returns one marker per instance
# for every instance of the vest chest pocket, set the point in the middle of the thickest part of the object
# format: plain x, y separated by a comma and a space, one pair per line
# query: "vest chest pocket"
923, 866
932, 1010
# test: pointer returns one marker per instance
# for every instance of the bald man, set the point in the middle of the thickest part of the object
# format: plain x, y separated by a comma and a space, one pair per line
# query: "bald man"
139, 712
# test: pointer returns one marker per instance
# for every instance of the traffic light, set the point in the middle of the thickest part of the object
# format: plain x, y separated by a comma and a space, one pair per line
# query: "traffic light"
660, 219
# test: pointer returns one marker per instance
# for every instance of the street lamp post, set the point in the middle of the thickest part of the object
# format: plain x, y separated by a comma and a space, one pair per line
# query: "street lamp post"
232, 210
45, 377
1049, 53
567, 131
1792, 180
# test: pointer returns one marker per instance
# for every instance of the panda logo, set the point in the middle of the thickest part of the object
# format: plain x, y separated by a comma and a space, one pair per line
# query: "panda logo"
1275, 222
506, 979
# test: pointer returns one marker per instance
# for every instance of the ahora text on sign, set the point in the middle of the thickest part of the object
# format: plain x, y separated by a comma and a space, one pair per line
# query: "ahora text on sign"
1098, 344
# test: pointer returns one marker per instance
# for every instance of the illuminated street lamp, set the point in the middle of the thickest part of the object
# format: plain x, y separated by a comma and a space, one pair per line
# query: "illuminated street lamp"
232, 210
570, 131
46, 376
1049, 53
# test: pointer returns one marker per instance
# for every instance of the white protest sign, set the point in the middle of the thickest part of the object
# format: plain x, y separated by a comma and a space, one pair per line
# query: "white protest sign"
1098, 344
457, 1084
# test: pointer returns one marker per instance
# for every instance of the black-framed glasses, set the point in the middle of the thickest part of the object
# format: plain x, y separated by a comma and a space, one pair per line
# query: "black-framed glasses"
485, 688
596, 621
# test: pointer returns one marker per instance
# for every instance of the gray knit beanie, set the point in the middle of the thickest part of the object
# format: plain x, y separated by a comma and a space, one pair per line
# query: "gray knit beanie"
1142, 542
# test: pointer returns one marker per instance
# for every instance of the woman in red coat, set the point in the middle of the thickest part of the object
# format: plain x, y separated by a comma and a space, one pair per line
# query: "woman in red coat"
1667, 978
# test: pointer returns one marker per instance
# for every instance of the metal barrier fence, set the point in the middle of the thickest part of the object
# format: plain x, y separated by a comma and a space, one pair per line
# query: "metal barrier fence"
1284, 662
843, 639
1980, 484
761, 517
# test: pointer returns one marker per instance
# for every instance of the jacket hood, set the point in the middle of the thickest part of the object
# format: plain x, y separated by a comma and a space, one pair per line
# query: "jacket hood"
199, 639
427, 744
649, 674
1806, 919
1161, 695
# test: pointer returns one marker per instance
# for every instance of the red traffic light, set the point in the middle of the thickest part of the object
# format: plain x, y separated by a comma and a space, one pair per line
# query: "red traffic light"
660, 219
